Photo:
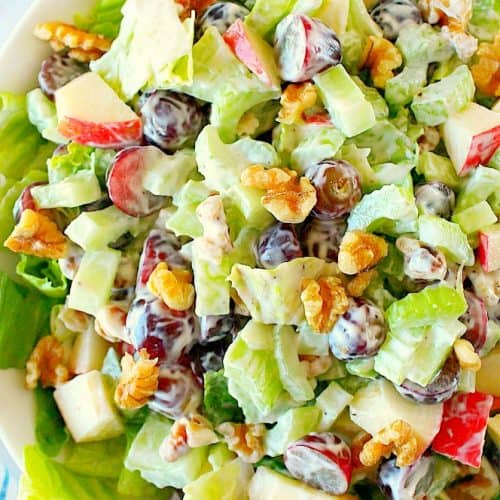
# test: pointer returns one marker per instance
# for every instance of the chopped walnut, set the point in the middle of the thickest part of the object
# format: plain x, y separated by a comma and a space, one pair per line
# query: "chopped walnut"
296, 98
172, 286
467, 357
381, 57
288, 197
47, 363
357, 286
360, 251
35, 234
486, 71
398, 438
315, 365
246, 440
186, 433
357, 445
138, 381
324, 301
83, 46
110, 323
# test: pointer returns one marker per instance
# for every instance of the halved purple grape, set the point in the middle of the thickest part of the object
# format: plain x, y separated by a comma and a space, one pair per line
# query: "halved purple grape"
322, 238
277, 244
171, 120
58, 70
221, 15
208, 357
359, 332
338, 188
214, 328
435, 198
393, 15
476, 321
440, 389
406, 483
305, 47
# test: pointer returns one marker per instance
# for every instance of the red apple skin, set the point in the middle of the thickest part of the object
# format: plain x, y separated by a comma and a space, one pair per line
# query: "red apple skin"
102, 135
489, 243
482, 148
237, 40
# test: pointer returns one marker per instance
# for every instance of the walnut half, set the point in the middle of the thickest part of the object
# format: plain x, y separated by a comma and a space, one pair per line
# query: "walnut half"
246, 440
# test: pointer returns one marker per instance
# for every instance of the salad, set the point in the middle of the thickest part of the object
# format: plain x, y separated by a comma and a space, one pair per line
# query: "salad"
256, 251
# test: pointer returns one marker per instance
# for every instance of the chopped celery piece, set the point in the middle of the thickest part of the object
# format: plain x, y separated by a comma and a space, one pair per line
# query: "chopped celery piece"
436, 303
373, 213
436, 102
446, 236
400, 90
467, 381
96, 230
74, 191
482, 183
257, 335
262, 290
292, 425
91, 287
247, 201
474, 218
332, 402
292, 372
374, 98
438, 168
311, 343
336, 371
485, 21
57, 327
351, 112
360, 21
362, 367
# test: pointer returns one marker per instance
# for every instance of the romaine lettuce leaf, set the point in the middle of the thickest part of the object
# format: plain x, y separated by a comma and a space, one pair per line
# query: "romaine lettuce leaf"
153, 49
104, 19
44, 275
218, 405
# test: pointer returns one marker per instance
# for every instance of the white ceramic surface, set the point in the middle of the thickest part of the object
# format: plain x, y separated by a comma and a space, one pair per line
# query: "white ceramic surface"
20, 59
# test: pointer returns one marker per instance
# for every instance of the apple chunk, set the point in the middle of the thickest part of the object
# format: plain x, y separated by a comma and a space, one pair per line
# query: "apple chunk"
256, 54
91, 113
472, 137
489, 248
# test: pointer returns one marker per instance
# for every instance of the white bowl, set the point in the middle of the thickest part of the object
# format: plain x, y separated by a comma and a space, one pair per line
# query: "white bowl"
20, 60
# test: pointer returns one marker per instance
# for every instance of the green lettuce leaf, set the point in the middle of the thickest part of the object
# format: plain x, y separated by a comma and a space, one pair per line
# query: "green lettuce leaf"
45, 275
104, 19
218, 405
485, 21
266, 14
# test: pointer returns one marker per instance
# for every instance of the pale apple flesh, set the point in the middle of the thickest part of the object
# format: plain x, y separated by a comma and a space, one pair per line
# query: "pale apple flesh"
488, 251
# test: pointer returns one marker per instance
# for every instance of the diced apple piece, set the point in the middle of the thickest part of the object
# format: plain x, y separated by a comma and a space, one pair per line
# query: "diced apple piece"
471, 137
90, 112
269, 485
489, 248
87, 408
488, 376
88, 353
256, 54
379, 404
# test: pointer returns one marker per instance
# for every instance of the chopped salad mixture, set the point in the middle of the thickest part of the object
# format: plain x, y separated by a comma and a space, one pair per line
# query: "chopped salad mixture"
257, 251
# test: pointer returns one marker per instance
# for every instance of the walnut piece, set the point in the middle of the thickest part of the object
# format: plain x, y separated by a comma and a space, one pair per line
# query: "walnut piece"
172, 286
246, 440
35, 234
467, 357
324, 301
288, 197
315, 365
360, 251
296, 98
381, 57
174, 446
486, 71
398, 438
357, 286
73, 320
47, 363
110, 323
138, 381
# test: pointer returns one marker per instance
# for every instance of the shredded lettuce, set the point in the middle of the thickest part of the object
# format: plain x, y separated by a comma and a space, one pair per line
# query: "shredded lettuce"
44, 275
218, 405
104, 19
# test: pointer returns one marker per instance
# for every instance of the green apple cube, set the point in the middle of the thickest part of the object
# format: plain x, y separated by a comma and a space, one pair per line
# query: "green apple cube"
87, 408
73, 191
436, 102
88, 352
447, 237
331, 402
438, 168
474, 218
350, 110
96, 230
400, 90
91, 287
292, 425
480, 185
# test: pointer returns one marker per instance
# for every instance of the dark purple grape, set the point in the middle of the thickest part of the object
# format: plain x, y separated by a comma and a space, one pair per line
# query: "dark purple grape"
171, 120
221, 15
305, 47
338, 188
166, 334
277, 244
179, 392
422, 262
476, 321
321, 238
359, 332
393, 15
440, 389
122, 241
58, 70
435, 198
208, 357
214, 328
406, 483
